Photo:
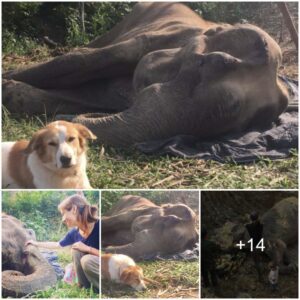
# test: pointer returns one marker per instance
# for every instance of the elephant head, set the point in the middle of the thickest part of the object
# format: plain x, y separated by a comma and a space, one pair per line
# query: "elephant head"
24, 268
167, 74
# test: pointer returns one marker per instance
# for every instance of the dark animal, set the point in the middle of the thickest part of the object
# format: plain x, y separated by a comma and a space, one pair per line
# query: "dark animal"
280, 232
24, 269
162, 71
138, 228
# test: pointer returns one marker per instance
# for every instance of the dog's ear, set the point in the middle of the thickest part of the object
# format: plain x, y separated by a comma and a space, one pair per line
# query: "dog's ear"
140, 270
85, 132
125, 275
35, 142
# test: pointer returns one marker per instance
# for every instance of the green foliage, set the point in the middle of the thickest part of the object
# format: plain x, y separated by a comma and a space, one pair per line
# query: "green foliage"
25, 23
38, 210
17, 45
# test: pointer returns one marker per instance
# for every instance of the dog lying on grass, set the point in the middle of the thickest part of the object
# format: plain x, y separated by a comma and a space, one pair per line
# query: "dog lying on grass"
122, 269
55, 157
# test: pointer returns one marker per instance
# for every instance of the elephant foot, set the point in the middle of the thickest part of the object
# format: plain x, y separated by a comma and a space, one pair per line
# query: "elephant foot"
19, 97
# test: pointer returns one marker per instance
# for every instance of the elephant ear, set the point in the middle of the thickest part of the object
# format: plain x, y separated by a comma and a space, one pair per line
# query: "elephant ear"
248, 43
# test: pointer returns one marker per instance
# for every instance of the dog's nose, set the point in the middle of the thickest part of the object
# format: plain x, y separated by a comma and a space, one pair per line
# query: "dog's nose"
65, 161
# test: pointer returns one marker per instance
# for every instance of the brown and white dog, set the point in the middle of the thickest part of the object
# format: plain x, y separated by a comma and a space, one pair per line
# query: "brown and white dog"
122, 269
55, 157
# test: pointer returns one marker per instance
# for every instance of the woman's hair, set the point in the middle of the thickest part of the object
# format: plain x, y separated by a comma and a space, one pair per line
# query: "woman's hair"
86, 213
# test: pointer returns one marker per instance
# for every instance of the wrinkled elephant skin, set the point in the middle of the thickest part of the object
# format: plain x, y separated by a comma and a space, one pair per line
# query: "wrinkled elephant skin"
162, 71
24, 269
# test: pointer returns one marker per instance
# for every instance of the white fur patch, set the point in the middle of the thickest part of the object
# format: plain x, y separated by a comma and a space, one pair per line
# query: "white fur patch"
64, 149
7, 181
117, 263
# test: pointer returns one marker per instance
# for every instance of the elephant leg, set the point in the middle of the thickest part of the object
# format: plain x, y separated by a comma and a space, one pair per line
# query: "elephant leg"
20, 97
123, 220
107, 96
116, 238
145, 244
83, 65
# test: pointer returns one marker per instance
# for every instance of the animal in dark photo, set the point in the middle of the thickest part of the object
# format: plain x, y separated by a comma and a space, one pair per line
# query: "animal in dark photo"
137, 227
236, 220
162, 71
24, 269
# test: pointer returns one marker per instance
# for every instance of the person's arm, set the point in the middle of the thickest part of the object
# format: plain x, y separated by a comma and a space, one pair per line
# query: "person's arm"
94, 251
86, 249
48, 245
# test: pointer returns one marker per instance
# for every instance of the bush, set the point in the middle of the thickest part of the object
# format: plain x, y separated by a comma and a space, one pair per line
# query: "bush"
38, 210
60, 21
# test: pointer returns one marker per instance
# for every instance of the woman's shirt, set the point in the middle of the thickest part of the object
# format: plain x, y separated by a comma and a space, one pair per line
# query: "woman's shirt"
73, 236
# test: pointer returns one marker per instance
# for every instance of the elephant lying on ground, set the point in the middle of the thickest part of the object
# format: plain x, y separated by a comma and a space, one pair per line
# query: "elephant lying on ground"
137, 227
161, 72
280, 230
24, 269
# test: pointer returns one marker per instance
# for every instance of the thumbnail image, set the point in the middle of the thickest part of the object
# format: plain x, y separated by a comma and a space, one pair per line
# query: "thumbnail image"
50, 244
249, 244
150, 244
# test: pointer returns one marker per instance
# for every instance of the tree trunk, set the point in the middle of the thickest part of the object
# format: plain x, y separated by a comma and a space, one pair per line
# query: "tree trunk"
289, 22
81, 13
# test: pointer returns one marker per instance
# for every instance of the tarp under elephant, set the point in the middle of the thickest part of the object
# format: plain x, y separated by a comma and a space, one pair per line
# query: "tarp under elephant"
273, 143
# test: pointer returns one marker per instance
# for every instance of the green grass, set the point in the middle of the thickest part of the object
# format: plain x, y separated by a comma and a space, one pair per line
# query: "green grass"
175, 279
115, 168
63, 290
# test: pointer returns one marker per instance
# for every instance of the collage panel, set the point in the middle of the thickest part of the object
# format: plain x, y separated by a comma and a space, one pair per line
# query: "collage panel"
249, 244
150, 244
50, 244
195, 95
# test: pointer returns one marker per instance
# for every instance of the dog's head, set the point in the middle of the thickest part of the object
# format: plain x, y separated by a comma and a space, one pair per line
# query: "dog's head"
134, 277
60, 144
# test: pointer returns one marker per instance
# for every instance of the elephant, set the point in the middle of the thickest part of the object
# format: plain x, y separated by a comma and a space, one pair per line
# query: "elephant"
280, 230
162, 71
24, 269
137, 227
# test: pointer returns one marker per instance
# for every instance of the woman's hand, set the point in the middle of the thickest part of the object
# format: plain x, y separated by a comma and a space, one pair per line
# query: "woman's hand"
81, 247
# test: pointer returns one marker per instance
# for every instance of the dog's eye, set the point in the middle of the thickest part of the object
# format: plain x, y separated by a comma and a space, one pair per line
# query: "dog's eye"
52, 144
71, 139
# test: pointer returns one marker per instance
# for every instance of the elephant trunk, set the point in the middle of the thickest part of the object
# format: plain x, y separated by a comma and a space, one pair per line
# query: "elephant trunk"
120, 130
16, 284
38, 275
